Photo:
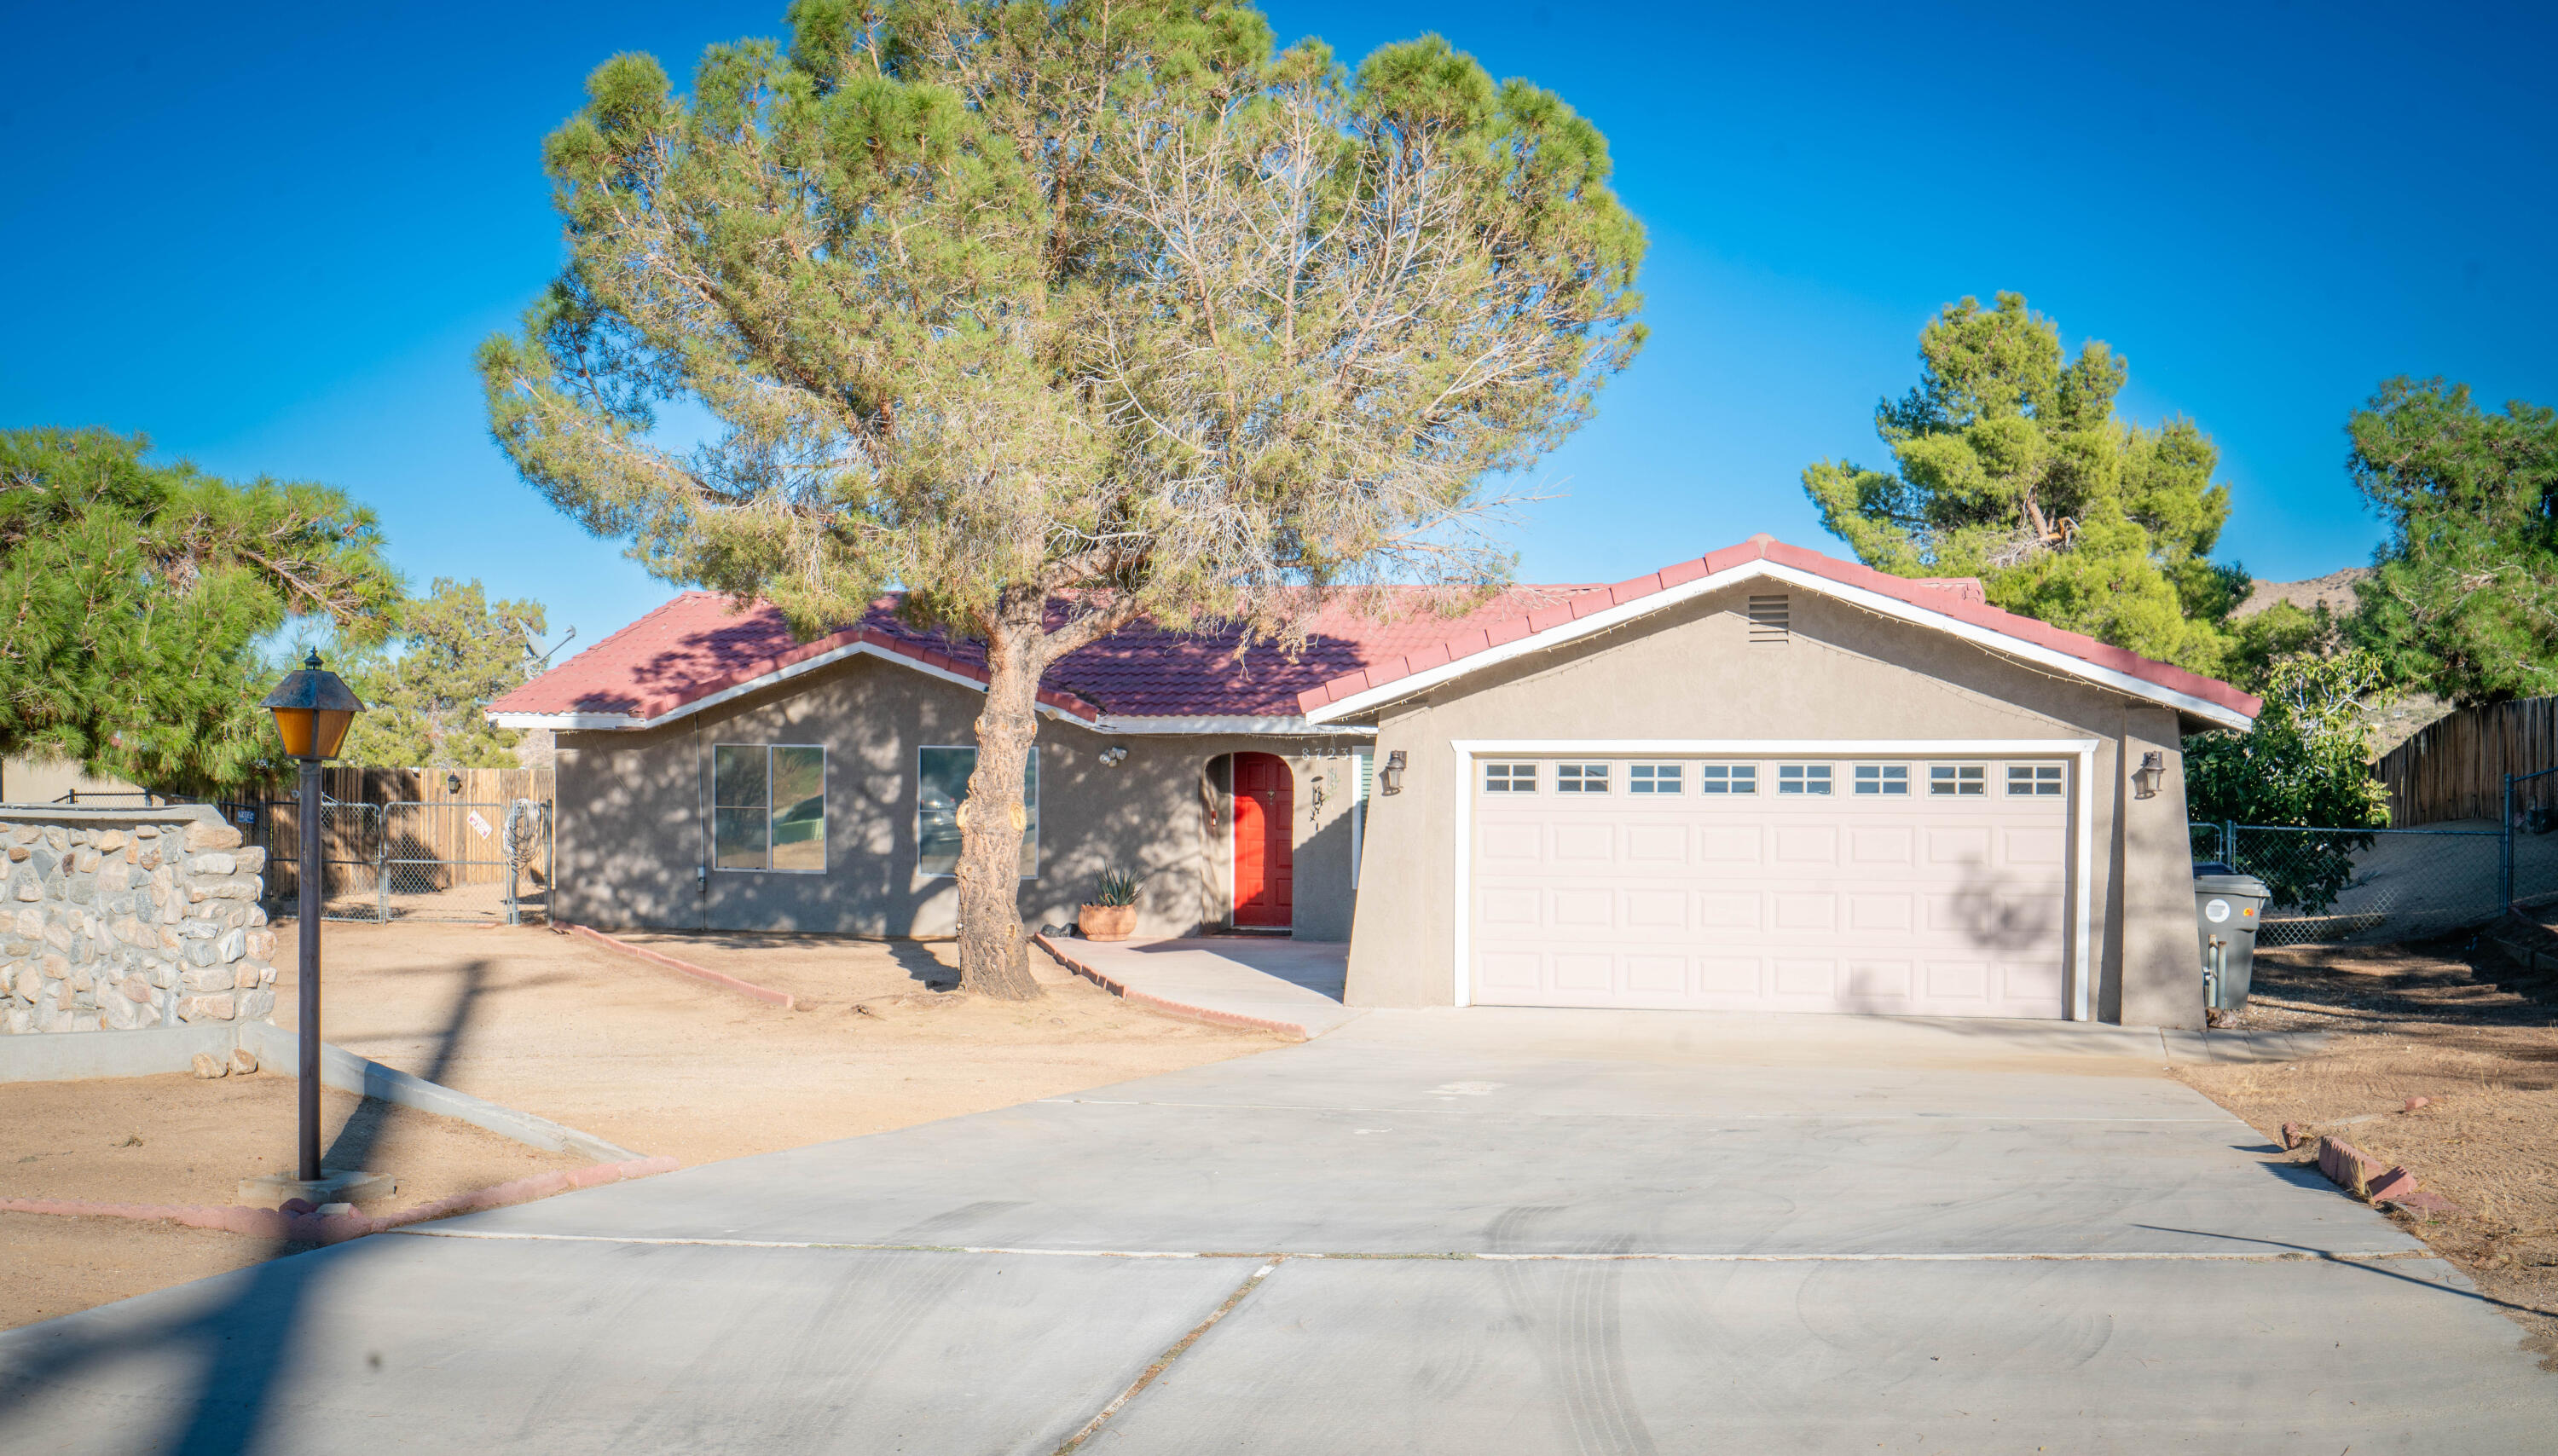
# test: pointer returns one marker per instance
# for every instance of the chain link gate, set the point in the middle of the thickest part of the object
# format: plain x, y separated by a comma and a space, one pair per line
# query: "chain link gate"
467, 861
410, 861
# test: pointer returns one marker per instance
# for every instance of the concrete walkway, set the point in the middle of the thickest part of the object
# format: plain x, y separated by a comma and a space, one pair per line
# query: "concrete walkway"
1456, 1231
1287, 985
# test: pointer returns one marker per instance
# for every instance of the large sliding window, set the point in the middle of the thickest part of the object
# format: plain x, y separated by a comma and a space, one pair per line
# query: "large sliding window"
941, 786
769, 807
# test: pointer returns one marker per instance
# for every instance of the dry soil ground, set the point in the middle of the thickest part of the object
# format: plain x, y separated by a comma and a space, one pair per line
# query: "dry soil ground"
2437, 1021
643, 1057
181, 1141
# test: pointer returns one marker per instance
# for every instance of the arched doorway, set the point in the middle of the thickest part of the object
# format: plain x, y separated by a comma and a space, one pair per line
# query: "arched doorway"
1265, 801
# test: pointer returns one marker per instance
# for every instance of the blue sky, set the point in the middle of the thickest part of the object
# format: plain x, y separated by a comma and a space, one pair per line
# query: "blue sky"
271, 238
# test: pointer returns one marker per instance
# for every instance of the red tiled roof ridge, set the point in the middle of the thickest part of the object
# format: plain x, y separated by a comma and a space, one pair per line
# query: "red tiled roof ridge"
701, 642
1952, 596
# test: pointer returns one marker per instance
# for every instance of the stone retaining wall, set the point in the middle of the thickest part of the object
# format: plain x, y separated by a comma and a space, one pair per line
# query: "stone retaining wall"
120, 919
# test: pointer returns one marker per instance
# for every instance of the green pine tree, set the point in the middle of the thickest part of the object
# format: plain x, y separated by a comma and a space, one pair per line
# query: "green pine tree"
1060, 316
2463, 601
454, 651
136, 596
2012, 466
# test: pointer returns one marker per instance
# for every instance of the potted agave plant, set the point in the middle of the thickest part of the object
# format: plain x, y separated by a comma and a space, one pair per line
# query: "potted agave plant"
1112, 912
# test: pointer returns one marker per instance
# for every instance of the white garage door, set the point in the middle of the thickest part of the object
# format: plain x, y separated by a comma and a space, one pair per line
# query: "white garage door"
1904, 886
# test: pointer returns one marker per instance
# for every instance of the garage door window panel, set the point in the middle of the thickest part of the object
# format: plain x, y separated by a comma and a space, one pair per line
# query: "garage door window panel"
1957, 780
1655, 778
1581, 779
1727, 779
2033, 780
1875, 779
1812, 779
1509, 778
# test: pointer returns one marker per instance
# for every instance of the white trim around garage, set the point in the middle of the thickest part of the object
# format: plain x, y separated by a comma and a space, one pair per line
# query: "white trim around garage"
1875, 601
2081, 996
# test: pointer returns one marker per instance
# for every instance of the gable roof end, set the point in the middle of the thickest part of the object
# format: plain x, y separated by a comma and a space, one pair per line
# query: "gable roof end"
1955, 605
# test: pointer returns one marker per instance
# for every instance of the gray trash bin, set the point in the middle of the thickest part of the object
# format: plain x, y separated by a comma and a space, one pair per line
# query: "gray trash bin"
2227, 908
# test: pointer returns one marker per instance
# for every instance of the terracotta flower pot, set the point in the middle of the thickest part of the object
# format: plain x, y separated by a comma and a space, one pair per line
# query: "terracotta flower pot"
1106, 922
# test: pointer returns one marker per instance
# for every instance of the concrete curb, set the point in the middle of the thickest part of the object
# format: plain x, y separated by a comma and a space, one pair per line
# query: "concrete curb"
1165, 1004
761, 993
279, 1049
78, 1056
268, 1223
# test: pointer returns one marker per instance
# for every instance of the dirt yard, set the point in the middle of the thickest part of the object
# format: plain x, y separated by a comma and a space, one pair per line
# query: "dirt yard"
641, 1056
181, 1141
2438, 1023
665, 1064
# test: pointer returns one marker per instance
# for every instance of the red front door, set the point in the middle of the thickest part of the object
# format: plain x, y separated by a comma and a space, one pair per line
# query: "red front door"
1264, 801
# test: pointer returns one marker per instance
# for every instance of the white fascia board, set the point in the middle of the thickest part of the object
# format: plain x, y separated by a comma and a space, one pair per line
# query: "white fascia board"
1264, 727
1875, 601
628, 723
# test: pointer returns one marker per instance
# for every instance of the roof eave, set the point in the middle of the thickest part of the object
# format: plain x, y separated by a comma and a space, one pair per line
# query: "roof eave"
1368, 700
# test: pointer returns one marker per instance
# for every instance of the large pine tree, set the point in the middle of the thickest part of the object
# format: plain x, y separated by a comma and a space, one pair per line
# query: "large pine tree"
1060, 315
136, 596
2464, 599
2011, 465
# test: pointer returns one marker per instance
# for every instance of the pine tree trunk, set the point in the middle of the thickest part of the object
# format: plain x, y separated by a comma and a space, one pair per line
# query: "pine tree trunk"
994, 956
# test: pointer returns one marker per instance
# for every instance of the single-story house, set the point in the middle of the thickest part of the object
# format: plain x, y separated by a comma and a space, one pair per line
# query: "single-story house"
1763, 780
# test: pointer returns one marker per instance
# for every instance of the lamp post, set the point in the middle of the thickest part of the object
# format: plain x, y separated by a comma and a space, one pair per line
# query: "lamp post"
313, 709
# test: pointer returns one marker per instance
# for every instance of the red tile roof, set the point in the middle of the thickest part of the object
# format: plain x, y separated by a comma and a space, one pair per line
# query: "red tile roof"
1959, 598
700, 644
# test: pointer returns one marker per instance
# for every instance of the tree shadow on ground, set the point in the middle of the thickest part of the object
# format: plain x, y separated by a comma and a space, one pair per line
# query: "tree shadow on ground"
251, 1339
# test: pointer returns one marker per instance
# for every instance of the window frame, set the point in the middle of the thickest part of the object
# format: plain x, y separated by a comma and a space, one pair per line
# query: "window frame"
1030, 805
2036, 784
1806, 775
825, 791
1734, 777
1588, 776
1651, 778
1510, 781
1976, 787
1878, 781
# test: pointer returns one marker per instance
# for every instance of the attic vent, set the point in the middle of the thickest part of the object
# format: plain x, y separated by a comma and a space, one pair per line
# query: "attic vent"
1768, 621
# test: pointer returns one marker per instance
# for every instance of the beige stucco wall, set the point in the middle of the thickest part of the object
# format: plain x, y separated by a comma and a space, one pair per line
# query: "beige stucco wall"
631, 835
1845, 673
50, 780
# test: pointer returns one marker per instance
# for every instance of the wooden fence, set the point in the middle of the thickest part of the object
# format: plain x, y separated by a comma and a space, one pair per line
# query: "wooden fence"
428, 842
2455, 768
349, 784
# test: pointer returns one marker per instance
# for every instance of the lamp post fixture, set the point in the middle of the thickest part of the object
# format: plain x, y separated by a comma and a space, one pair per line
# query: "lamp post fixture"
313, 709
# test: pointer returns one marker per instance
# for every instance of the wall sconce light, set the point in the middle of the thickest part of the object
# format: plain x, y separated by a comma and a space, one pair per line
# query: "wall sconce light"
453, 783
2145, 779
1389, 780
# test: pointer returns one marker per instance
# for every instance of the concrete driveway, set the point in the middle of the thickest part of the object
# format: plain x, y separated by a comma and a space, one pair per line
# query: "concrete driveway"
1431, 1232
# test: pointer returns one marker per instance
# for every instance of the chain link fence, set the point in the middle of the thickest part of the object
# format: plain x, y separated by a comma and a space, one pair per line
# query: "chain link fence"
2377, 885
409, 860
